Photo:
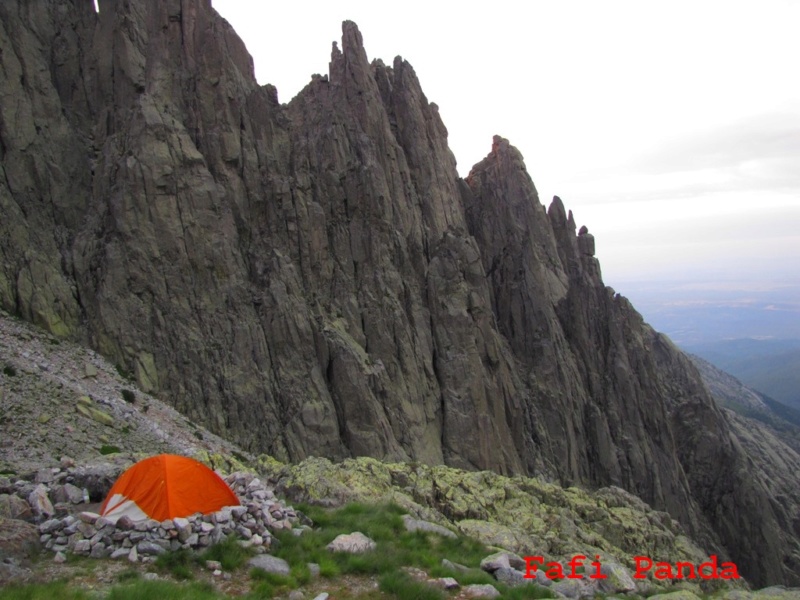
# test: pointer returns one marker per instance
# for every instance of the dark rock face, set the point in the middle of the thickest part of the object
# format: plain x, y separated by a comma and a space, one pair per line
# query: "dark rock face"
315, 279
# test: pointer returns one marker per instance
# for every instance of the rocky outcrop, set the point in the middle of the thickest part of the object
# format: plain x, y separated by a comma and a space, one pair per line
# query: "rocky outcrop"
314, 279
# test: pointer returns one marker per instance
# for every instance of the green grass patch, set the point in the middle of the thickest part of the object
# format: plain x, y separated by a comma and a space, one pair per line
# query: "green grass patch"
268, 585
396, 547
401, 586
229, 553
108, 449
163, 590
178, 563
42, 591
128, 575
463, 577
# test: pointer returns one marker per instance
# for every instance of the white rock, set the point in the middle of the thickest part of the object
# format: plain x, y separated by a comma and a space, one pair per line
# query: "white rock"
40, 503
271, 564
88, 517
481, 591
353, 543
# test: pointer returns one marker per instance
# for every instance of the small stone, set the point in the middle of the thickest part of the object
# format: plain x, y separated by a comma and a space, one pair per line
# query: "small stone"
40, 503
217, 573
89, 370
447, 564
447, 583
43, 476
353, 543
150, 576
481, 591
322, 596
88, 517
313, 569
412, 524
270, 564
125, 523
74, 494
133, 555
14, 507
573, 588
511, 577
617, 580
213, 565
60, 557
66, 462
150, 548
499, 560
103, 522
120, 553
99, 550
50, 525
296, 595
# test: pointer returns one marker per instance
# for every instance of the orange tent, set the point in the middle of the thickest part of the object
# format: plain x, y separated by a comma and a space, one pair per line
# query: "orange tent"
167, 486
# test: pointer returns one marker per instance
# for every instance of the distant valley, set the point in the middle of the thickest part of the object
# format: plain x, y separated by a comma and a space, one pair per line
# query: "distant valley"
750, 330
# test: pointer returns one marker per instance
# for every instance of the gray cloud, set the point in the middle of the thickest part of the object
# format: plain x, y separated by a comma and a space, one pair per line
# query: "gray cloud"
770, 138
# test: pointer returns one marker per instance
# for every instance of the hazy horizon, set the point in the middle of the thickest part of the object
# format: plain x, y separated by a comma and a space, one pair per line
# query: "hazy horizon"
671, 130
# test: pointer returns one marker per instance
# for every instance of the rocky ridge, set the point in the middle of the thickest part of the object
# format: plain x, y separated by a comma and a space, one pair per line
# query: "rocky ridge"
319, 269
780, 420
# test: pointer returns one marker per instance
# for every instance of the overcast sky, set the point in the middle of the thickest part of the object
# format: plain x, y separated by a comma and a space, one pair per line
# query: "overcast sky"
671, 129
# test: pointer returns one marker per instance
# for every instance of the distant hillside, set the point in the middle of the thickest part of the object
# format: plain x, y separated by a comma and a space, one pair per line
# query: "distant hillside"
731, 393
769, 366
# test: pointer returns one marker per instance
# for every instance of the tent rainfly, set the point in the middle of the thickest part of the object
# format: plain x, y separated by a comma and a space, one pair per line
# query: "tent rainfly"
164, 487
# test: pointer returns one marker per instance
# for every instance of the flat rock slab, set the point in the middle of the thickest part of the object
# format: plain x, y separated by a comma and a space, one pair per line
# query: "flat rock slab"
269, 563
413, 524
484, 590
617, 580
354, 543
573, 588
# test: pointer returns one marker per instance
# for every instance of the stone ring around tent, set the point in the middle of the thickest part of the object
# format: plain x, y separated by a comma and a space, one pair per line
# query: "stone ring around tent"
165, 487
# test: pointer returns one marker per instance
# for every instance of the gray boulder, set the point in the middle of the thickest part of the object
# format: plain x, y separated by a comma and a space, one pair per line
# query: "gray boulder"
270, 564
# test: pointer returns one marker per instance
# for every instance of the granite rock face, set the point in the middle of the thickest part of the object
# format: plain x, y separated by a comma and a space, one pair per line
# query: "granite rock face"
313, 278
